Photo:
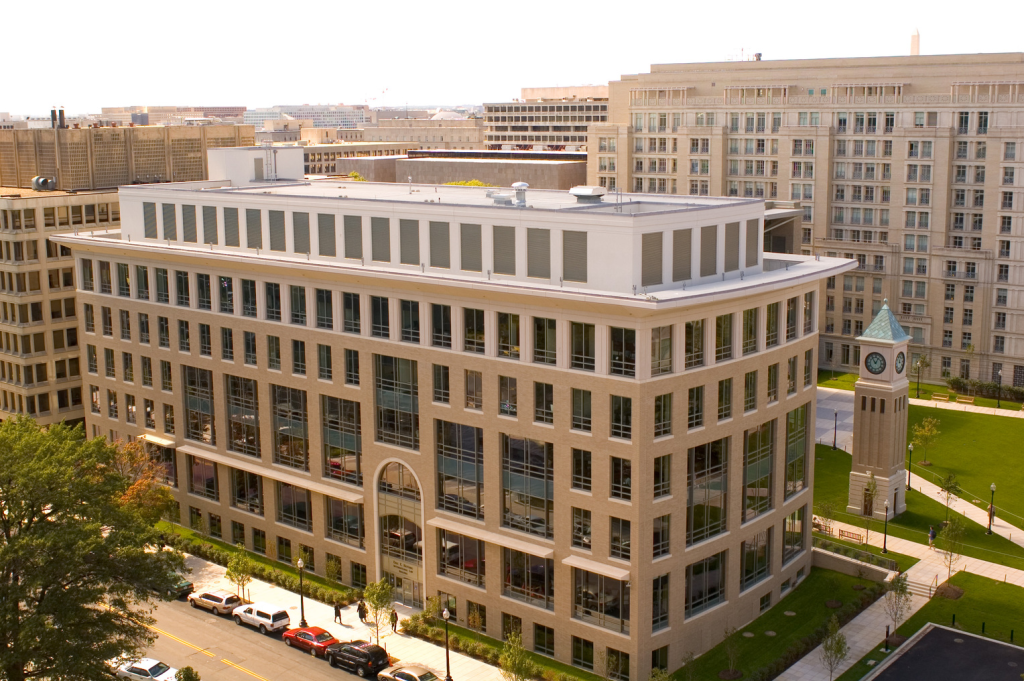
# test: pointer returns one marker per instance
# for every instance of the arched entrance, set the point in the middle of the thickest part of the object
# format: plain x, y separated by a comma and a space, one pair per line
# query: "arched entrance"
399, 510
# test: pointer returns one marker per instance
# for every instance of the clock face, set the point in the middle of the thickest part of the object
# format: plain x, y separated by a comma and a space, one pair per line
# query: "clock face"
875, 363
901, 361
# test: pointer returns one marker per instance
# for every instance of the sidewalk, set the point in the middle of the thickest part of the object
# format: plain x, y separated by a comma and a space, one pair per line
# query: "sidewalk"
407, 649
956, 406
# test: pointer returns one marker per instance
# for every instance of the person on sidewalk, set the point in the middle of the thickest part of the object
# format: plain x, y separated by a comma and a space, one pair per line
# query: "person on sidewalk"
931, 536
361, 610
394, 620
337, 612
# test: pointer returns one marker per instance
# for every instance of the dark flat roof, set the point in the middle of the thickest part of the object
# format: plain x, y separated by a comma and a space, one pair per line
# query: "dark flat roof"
942, 653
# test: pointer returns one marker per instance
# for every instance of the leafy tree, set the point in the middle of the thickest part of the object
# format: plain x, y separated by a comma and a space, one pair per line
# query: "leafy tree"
834, 649
951, 540
241, 567
826, 512
659, 674
950, 487
897, 600
515, 663
356, 177
870, 493
924, 434
144, 475
77, 569
920, 365
186, 674
379, 598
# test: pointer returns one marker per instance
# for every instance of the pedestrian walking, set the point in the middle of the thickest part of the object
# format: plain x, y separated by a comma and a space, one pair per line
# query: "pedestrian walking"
394, 620
337, 612
931, 536
361, 610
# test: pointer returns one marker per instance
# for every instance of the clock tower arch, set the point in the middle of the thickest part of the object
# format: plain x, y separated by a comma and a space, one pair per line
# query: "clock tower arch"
880, 413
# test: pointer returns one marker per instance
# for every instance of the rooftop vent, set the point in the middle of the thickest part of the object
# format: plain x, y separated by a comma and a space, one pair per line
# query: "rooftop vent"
520, 188
585, 194
44, 184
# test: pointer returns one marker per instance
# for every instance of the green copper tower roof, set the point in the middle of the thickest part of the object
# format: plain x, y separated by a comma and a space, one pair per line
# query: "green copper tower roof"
884, 327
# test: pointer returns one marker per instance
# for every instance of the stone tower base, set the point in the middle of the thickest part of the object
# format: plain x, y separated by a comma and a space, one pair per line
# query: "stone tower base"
891, 488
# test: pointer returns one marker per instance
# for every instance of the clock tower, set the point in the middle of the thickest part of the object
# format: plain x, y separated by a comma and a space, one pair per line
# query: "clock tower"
880, 419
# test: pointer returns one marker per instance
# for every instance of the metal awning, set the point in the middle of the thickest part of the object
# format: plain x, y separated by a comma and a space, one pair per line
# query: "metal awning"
476, 532
582, 563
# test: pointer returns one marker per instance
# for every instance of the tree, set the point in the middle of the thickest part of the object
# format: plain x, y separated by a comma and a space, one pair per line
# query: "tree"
924, 434
379, 598
826, 512
356, 177
897, 600
144, 475
950, 487
731, 644
834, 648
688, 671
870, 493
951, 540
659, 674
240, 569
920, 365
515, 663
186, 674
77, 569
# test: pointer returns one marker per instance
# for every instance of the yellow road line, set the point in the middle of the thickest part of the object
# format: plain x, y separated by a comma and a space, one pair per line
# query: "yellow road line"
243, 669
181, 641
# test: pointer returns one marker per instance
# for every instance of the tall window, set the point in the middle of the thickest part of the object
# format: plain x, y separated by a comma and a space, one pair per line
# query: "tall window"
380, 317
226, 295
695, 407
621, 486
298, 299
528, 486
350, 302
474, 389
707, 490
249, 298
294, 507
661, 350
581, 528
771, 337
273, 298
461, 557
345, 522
619, 542
750, 391
508, 335
723, 337
410, 321
202, 479
528, 578
661, 536
581, 418
694, 343
659, 603
473, 338
705, 584
544, 341
758, 461
199, 423
793, 535
508, 396
601, 601
243, 416
324, 309
796, 450
442, 387
290, 422
750, 331
204, 294
247, 491
725, 399
623, 352
398, 417
181, 287
773, 383
756, 559
441, 325
543, 402
460, 469
621, 417
663, 415
583, 352
343, 439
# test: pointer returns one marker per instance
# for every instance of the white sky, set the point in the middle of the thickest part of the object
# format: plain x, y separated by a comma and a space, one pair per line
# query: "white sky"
390, 53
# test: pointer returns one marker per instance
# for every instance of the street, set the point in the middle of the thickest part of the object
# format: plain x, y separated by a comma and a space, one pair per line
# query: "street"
220, 650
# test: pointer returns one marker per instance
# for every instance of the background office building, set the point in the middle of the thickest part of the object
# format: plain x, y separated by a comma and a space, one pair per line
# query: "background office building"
910, 165
546, 119
334, 370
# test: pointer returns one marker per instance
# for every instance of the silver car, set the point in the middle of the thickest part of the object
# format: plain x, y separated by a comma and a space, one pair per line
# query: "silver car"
146, 669
219, 601
406, 673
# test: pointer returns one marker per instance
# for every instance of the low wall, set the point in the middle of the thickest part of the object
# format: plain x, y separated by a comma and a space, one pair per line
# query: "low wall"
373, 168
849, 566
538, 174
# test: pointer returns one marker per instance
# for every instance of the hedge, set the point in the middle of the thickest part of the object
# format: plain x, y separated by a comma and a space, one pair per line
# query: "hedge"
986, 388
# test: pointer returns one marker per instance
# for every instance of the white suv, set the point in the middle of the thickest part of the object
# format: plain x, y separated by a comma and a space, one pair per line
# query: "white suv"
219, 601
264, 616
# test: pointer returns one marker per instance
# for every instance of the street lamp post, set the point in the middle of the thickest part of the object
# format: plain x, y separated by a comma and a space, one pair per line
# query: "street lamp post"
885, 538
910, 463
918, 395
999, 388
302, 602
447, 661
991, 508
835, 431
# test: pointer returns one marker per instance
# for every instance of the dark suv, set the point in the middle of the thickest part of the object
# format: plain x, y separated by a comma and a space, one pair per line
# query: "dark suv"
361, 657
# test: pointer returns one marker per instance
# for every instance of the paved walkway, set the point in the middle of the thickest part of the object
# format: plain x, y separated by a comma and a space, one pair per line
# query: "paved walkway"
834, 407
407, 649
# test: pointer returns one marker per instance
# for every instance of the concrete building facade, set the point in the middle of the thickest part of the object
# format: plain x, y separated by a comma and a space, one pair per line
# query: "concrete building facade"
910, 165
322, 115
546, 119
332, 370
40, 366
427, 134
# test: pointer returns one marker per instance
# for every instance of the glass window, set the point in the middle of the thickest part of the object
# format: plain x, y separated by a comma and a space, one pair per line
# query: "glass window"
461, 557
621, 479
410, 321
324, 309
707, 488
758, 461
583, 352
581, 473
705, 584
543, 402
397, 408
441, 329
473, 340
621, 417
343, 439
663, 415
623, 352
199, 422
508, 335
601, 601
298, 305
442, 388
756, 559
528, 578
528, 487
544, 341
661, 350
460, 469
294, 506
694, 344
345, 524
291, 427
797, 435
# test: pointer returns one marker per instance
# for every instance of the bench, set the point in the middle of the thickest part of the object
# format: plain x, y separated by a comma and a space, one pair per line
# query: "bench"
963, 399
852, 536
940, 397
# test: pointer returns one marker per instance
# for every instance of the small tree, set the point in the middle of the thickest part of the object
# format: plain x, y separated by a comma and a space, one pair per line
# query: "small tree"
834, 648
332, 569
515, 663
969, 351
659, 674
897, 600
240, 569
731, 646
950, 488
826, 512
688, 670
924, 434
379, 598
356, 177
186, 674
951, 540
870, 493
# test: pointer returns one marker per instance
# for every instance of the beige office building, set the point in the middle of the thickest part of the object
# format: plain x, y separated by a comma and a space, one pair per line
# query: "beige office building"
334, 368
546, 119
910, 165
40, 372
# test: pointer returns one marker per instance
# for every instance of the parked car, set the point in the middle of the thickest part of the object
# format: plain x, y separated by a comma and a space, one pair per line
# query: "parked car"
407, 673
361, 657
181, 586
310, 639
218, 601
146, 669
264, 616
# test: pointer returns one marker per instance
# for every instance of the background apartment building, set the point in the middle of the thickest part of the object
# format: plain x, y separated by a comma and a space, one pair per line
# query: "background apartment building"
40, 371
99, 158
334, 369
909, 165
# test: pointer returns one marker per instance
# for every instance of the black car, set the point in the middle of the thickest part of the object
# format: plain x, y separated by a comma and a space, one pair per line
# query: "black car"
361, 657
180, 586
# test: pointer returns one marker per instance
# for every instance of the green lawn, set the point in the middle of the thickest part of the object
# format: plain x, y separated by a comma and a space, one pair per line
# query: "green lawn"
904, 562
842, 381
845, 381
979, 449
807, 600
832, 480
1000, 606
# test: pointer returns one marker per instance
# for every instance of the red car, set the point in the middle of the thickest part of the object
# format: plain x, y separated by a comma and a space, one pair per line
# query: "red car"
311, 639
